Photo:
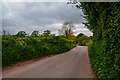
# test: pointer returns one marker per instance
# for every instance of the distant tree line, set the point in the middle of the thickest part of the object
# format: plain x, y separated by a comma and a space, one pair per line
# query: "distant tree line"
66, 31
33, 34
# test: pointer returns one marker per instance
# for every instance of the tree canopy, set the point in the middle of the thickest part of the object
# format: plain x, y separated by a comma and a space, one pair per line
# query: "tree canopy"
79, 35
35, 34
103, 19
21, 34
46, 33
67, 29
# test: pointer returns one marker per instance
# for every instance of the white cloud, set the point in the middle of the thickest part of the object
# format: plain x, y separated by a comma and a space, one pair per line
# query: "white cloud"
40, 16
34, 0
80, 29
55, 25
9, 15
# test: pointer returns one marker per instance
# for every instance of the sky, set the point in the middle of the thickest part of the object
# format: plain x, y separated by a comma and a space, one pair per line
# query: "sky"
40, 16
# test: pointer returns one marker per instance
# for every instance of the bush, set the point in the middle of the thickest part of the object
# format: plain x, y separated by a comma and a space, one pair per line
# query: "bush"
103, 19
17, 49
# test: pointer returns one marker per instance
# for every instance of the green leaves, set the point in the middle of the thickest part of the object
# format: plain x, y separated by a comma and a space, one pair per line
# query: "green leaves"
17, 49
104, 21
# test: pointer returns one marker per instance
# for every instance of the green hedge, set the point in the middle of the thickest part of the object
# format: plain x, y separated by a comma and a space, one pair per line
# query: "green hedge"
103, 19
17, 49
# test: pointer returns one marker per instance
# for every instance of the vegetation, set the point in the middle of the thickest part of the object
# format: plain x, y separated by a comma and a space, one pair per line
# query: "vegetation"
35, 34
67, 29
46, 33
82, 39
21, 34
79, 35
17, 49
103, 19
21, 47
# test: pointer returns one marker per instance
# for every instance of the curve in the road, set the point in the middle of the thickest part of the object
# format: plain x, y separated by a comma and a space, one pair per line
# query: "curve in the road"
72, 64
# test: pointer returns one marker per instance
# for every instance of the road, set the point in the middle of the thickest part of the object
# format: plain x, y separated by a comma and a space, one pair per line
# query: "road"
72, 64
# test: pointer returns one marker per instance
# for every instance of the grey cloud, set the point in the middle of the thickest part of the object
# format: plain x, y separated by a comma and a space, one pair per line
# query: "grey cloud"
40, 14
44, 13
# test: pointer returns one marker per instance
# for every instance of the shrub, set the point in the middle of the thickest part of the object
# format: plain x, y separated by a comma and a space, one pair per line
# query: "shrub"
103, 19
17, 49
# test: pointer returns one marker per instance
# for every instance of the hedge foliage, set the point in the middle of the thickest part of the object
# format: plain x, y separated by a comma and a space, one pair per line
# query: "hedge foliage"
17, 49
103, 19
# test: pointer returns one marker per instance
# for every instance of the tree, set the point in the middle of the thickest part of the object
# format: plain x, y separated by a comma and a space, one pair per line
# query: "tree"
21, 34
103, 20
67, 29
8, 33
79, 35
46, 33
52, 35
4, 32
83, 38
72, 37
35, 34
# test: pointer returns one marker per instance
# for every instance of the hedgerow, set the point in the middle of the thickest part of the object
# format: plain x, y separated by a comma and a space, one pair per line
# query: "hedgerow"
103, 19
15, 49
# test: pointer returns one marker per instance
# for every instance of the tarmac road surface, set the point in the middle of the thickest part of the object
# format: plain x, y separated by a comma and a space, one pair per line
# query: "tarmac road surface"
72, 64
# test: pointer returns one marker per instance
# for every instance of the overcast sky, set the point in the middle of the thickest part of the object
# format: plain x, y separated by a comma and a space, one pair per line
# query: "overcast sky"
41, 16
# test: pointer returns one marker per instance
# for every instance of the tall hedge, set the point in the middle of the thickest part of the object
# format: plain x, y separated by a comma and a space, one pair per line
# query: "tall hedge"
103, 19
15, 49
